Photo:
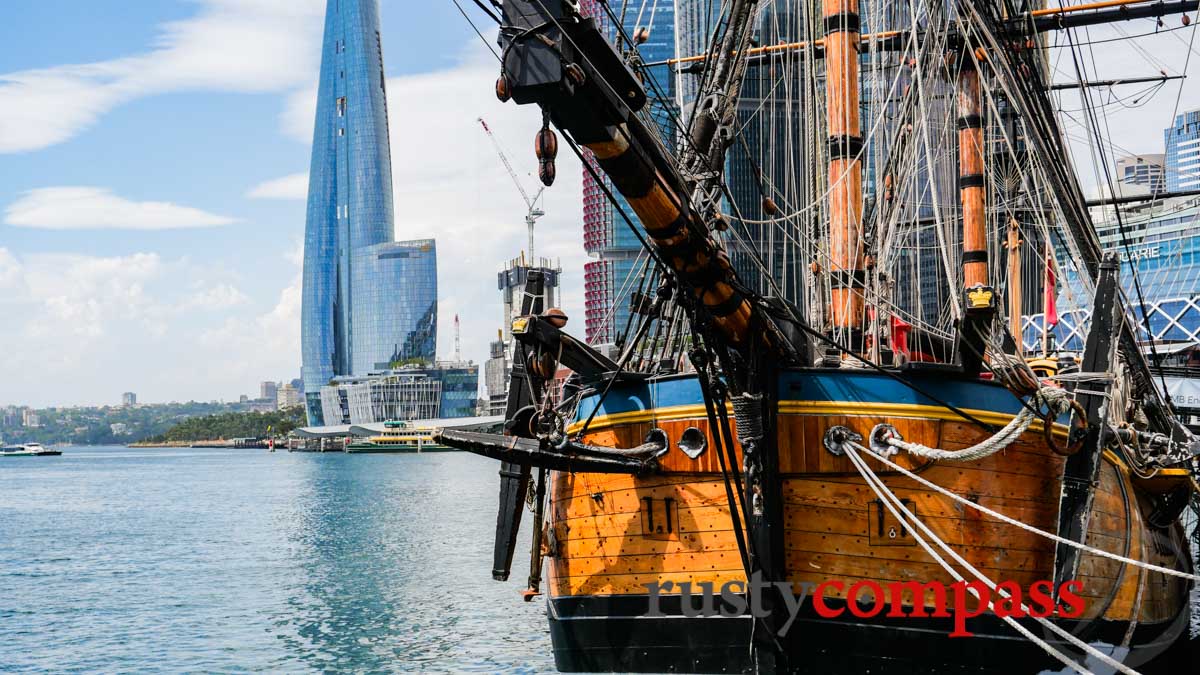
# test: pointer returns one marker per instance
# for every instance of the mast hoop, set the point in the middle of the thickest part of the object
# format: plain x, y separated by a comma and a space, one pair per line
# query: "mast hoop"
843, 22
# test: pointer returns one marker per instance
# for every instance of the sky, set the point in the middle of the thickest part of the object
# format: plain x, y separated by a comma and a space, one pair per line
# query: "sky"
153, 159
153, 172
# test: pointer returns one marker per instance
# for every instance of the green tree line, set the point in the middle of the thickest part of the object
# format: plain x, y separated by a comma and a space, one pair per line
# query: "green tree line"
233, 425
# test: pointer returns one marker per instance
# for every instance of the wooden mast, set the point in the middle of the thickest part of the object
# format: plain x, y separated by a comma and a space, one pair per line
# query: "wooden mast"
980, 300
847, 274
970, 178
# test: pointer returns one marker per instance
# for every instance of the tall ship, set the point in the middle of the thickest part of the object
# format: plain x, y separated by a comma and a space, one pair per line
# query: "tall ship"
821, 443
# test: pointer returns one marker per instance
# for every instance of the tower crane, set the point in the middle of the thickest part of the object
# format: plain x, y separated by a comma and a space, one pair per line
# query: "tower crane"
534, 212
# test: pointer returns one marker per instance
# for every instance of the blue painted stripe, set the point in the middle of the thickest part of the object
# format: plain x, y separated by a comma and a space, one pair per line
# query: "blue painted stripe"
813, 385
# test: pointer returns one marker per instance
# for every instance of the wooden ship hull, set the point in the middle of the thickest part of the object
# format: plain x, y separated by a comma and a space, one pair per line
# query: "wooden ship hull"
612, 534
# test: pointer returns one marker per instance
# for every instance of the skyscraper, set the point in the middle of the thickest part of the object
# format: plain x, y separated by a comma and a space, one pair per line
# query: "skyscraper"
608, 279
1183, 152
511, 284
369, 302
1146, 170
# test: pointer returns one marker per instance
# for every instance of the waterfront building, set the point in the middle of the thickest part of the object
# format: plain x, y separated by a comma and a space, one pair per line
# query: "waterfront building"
288, 396
129, 399
510, 281
460, 388
268, 390
30, 418
610, 278
1160, 246
1182, 141
409, 393
369, 302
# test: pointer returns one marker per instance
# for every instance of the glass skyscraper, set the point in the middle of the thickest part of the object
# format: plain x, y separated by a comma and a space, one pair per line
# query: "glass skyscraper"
369, 302
1183, 152
609, 279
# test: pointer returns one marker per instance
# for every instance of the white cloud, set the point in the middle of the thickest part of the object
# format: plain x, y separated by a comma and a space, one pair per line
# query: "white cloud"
230, 45
11, 277
300, 113
294, 186
267, 343
73, 208
80, 329
66, 308
219, 296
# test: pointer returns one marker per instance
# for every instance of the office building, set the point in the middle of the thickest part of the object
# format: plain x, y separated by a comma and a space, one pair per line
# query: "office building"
268, 391
1161, 246
510, 281
1144, 173
288, 396
410, 393
129, 399
1182, 141
369, 302
611, 277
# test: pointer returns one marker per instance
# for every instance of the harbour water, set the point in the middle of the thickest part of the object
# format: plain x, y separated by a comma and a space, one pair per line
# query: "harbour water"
116, 559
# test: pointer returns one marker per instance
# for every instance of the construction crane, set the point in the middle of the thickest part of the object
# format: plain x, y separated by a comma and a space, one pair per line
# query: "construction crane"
457, 342
534, 212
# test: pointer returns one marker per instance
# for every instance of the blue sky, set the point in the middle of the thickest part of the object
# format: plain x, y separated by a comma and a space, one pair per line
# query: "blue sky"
152, 176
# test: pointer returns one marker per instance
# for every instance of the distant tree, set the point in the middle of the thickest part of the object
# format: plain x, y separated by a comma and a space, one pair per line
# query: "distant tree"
232, 425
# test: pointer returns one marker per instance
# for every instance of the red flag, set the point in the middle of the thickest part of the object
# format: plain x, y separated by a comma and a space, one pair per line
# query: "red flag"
1051, 318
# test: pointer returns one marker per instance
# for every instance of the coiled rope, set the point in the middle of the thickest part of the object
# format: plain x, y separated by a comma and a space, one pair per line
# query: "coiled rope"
1057, 401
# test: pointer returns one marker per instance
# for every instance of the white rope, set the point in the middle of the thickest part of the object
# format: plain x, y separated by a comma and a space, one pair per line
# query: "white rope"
1057, 400
890, 499
886, 497
1029, 528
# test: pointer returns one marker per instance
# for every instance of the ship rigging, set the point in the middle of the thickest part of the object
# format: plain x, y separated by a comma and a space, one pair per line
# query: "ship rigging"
842, 354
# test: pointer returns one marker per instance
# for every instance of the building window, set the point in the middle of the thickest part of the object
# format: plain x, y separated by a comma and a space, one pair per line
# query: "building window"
341, 107
341, 131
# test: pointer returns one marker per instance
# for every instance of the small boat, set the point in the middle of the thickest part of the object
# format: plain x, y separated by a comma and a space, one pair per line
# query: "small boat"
28, 450
399, 437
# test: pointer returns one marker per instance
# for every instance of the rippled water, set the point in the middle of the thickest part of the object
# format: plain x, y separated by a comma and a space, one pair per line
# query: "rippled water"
118, 559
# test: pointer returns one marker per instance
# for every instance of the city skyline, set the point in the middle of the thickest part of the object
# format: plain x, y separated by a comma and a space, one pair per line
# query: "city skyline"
153, 158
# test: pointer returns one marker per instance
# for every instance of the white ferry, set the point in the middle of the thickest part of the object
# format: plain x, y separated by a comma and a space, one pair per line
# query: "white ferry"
27, 450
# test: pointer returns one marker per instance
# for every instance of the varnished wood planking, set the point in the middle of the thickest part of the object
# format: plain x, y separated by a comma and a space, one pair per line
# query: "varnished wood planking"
862, 523
604, 535
694, 519
635, 584
698, 562
572, 546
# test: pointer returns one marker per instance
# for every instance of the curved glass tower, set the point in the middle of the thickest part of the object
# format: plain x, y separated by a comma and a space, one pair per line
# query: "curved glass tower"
368, 301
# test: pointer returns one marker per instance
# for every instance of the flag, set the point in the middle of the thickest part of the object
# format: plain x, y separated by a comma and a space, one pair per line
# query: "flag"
1051, 318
